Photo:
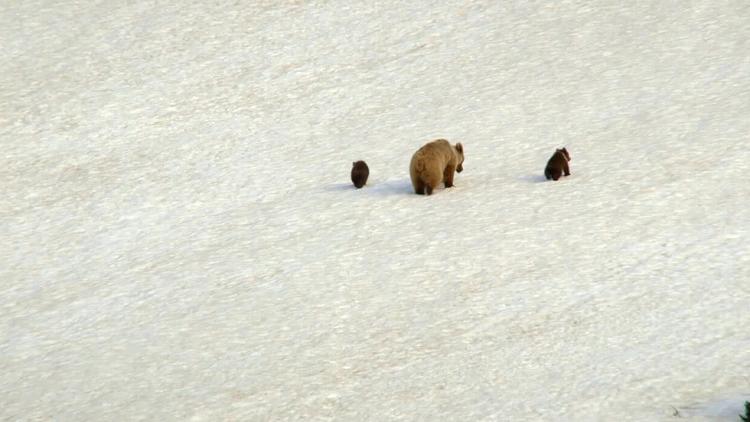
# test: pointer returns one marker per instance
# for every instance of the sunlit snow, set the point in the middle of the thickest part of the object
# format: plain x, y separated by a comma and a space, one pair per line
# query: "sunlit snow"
181, 240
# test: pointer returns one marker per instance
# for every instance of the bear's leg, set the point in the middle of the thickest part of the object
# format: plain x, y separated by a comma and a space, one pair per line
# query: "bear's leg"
448, 176
431, 181
418, 187
566, 168
552, 173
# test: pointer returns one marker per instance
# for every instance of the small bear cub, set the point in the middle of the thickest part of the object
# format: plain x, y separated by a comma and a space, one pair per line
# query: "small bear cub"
557, 165
360, 172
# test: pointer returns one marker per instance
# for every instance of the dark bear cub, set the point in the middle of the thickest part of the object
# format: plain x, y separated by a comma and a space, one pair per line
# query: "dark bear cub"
360, 172
557, 165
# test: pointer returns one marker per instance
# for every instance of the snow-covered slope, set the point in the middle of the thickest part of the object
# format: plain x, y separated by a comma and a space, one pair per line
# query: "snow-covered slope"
181, 239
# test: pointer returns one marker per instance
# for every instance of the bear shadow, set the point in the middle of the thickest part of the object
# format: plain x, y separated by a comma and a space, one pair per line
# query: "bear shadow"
535, 178
392, 187
340, 187
387, 188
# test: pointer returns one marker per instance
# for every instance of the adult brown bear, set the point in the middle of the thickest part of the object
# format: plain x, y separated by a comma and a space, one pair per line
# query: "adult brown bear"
557, 165
434, 163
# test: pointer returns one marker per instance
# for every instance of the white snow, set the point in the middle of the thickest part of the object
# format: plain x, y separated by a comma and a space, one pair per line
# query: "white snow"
181, 239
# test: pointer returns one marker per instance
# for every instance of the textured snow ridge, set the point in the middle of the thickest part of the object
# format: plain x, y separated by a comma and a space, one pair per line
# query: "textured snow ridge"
181, 240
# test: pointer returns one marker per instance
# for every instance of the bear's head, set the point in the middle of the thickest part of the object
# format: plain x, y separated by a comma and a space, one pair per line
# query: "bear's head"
460, 153
564, 151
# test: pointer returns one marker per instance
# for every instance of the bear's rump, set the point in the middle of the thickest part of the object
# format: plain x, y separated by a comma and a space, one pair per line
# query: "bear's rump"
433, 174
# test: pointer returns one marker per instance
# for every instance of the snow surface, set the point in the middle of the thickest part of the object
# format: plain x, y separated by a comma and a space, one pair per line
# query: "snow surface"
181, 240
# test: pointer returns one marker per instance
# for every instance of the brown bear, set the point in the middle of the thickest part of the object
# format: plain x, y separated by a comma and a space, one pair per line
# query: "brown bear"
557, 165
360, 172
434, 163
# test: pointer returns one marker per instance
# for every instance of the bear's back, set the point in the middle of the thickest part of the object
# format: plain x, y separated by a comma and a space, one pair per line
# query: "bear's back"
360, 173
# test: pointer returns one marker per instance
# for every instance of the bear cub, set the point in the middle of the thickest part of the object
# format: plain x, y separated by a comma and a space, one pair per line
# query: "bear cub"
435, 163
360, 172
557, 165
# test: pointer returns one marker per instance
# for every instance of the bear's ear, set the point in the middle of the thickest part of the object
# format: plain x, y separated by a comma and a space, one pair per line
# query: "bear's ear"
460, 148
354, 163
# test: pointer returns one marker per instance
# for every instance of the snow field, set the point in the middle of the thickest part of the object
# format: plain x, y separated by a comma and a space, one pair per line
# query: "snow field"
182, 240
